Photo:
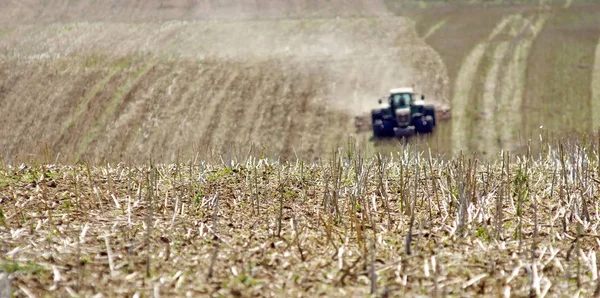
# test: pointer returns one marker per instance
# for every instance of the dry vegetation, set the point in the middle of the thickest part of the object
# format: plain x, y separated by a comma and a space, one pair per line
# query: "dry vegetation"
119, 91
191, 112
356, 224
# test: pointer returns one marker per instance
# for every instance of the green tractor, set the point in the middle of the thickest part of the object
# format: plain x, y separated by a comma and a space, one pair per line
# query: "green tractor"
402, 115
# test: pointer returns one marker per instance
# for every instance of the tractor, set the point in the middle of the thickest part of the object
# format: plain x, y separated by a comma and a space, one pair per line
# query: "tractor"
402, 115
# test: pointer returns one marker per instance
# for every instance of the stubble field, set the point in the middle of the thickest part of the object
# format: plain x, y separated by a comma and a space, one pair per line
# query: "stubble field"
356, 225
188, 148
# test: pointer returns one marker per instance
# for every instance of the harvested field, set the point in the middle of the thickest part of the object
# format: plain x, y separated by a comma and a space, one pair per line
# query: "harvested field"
410, 225
114, 91
207, 148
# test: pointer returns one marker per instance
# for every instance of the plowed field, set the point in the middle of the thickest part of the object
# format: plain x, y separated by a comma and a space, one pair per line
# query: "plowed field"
142, 80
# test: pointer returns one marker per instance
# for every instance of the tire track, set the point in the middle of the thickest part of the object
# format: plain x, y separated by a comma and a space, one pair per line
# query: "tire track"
487, 130
251, 112
435, 28
205, 98
226, 125
251, 80
511, 117
497, 84
463, 87
187, 108
596, 90
502, 92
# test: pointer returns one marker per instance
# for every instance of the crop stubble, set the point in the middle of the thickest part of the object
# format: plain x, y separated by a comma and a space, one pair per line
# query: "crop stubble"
56, 221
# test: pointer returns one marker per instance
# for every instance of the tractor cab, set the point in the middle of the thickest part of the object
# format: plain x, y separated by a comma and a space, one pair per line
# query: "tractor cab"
401, 101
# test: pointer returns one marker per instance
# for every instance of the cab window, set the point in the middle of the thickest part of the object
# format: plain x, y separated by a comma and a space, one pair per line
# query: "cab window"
401, 100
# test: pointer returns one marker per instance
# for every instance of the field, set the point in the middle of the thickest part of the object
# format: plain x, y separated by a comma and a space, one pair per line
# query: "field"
357, 225
207, 148
114, 91
515, 71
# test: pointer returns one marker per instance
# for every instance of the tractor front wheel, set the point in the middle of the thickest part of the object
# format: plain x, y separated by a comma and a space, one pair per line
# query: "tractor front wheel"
424, 124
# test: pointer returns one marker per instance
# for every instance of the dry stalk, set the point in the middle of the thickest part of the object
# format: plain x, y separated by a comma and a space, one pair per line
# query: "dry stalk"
404, 206
78, 258
328, 231
565, 189
500, 200
412, 217
256, 191
77, 198
93, 187
428, 193
577, 249
297, 239
216, 239
381, 166
520, 180
109, 254
5, 285
149, 214
463, 201
373, 274
280, 188
337, 171
434, 180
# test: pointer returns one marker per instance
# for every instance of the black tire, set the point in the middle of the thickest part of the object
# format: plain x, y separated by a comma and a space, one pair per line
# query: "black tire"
375, 115
429, 124
385, 129
430, 111
423, 124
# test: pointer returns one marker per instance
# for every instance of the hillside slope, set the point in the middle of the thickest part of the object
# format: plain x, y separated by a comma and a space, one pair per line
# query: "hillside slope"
42, 11
116, 91
516, 70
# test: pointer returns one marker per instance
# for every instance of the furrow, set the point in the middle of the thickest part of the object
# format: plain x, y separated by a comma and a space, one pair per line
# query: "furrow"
210, 130
83, 105
487, 131
463, 87
513, 117
114, 102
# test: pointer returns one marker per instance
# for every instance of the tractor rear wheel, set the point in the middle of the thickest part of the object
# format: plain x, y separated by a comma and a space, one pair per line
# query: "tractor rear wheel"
429, 124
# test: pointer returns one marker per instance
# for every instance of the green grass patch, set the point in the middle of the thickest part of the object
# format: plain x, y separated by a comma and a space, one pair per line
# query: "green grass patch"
6, 31
115, 101
28, 267
83, 105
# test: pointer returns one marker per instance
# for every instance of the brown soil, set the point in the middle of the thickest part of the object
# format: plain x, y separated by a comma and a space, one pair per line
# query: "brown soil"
134, 90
